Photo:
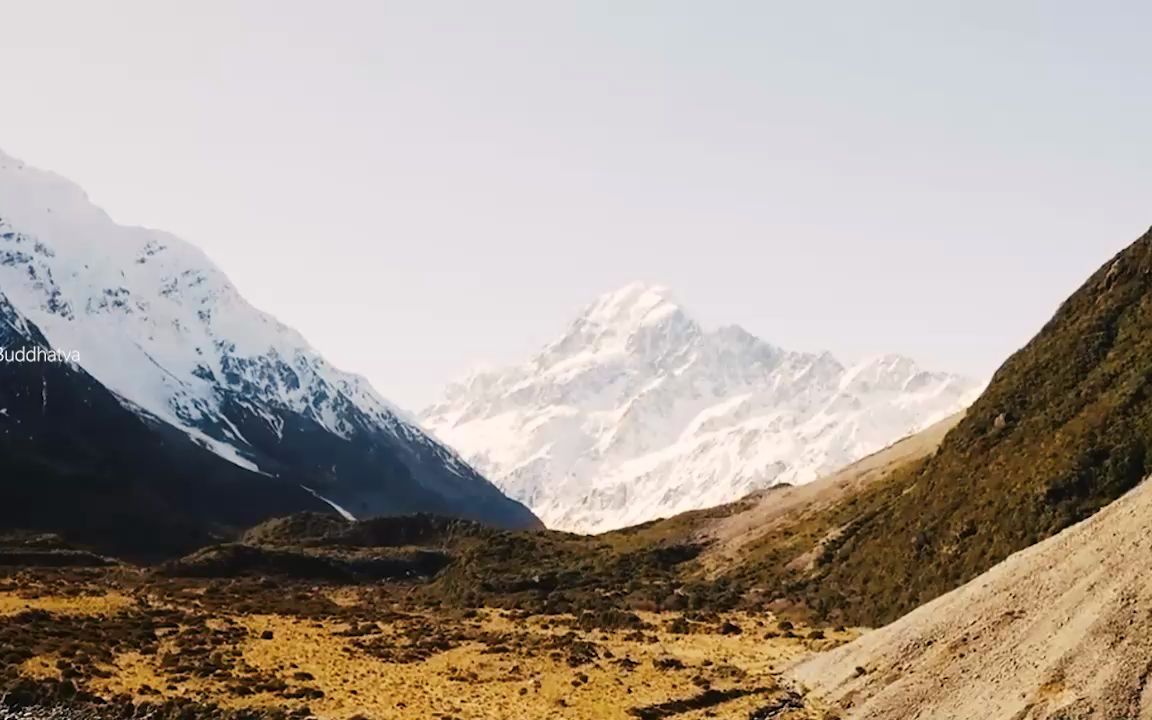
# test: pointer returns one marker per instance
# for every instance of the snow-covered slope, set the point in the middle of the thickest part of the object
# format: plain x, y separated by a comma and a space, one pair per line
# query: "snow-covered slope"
638, 412
155, 322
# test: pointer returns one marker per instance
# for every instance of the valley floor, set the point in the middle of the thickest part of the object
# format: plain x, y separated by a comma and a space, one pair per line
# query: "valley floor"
113, 642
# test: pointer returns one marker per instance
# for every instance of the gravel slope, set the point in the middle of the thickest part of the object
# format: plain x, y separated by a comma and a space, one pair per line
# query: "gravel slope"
1060, 630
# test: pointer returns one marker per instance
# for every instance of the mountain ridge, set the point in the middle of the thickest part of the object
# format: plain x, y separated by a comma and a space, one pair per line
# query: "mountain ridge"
637, 411
164, 330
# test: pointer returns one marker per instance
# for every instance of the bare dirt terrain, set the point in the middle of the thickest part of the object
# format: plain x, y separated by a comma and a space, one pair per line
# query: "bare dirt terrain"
1060, 630
119, 642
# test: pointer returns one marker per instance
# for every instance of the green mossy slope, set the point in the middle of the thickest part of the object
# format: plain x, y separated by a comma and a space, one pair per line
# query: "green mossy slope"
1064, 428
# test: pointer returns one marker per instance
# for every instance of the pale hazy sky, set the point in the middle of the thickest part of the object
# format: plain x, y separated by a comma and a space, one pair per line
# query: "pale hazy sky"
421, 186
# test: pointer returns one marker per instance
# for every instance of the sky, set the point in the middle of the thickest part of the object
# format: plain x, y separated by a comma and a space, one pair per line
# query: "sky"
422, 187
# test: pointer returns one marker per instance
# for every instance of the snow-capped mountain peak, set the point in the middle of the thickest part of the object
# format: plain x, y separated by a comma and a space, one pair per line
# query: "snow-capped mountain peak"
157, 323
630, 308
83, 279
637, 412
638, 319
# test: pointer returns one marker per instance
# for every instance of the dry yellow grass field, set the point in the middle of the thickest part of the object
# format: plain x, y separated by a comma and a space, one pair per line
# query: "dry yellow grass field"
12, 603
487, 664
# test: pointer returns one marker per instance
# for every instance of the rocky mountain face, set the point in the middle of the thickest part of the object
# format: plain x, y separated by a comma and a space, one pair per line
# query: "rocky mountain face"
148, 320
638, 412
75, 460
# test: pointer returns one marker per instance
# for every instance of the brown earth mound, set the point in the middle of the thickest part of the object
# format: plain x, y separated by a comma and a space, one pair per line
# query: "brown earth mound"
235, 560
318, 530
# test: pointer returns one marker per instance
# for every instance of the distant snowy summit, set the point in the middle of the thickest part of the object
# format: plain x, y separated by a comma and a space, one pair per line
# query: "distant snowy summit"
154, 323
637, 412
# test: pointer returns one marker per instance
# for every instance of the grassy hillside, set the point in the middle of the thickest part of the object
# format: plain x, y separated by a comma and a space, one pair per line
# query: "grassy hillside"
1064, 428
